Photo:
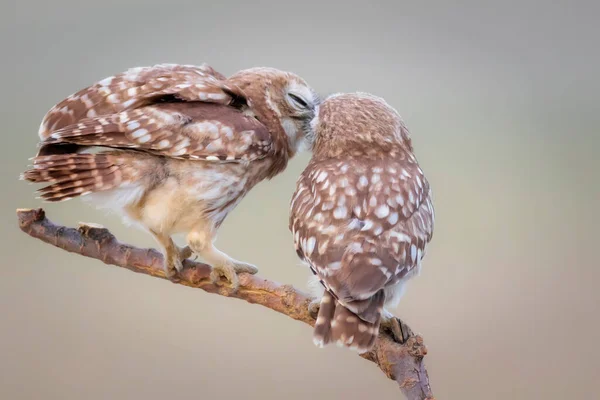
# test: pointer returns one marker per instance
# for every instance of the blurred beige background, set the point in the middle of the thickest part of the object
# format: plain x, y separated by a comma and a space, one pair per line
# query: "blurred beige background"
502, 103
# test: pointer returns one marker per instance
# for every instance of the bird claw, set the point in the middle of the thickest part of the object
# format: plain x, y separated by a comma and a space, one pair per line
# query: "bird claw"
224, 271
399, 330
185, 253
172, 269
230, 272
242, 267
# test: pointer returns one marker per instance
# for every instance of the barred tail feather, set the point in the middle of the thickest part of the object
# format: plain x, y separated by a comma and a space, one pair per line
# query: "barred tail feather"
337, 324
322, 332
73, 175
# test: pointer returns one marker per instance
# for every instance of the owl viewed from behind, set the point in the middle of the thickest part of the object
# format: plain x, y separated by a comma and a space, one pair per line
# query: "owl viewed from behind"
361, 216
174, 148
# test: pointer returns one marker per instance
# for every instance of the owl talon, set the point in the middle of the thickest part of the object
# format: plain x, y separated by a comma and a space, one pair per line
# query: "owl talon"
230, 272
399, 329
172, 269
226, 271
185, 253
241, 267
173, 265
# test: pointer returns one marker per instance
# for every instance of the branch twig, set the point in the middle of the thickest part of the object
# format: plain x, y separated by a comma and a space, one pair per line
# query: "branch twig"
402, 363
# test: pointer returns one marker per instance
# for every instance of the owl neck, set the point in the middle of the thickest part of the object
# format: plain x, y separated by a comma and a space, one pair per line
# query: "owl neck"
281, 146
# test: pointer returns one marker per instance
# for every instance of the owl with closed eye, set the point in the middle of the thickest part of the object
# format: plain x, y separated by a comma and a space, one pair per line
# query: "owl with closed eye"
174, 149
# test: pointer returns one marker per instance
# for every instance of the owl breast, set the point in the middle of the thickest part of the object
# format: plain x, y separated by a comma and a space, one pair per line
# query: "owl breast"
179, 195
200, 193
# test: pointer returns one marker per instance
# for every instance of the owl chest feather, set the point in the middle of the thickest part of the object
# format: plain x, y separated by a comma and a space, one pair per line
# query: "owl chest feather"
199, 194
179, 195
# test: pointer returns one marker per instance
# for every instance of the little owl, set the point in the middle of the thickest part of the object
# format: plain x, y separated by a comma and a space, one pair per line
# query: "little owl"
174, 149
361, 216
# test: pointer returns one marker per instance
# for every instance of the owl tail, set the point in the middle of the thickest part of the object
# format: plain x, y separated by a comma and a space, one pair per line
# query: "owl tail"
337, 324
73, 175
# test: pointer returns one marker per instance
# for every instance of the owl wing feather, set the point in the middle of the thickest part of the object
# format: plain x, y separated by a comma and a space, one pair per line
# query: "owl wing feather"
195, 131
168, 110
171, 110
137, 87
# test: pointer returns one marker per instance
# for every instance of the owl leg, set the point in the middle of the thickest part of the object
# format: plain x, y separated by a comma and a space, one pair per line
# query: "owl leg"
222, 265
399, 329
316, 290
313, 307
173, 255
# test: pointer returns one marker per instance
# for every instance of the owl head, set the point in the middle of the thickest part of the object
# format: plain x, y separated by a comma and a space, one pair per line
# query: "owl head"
281, 100
357, 122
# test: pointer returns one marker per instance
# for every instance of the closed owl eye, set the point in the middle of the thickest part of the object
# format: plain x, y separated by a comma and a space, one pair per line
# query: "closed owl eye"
298, 100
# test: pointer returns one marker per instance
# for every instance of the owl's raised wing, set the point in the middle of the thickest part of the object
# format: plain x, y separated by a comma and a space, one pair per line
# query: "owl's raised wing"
361, 224
184, 130
139, 87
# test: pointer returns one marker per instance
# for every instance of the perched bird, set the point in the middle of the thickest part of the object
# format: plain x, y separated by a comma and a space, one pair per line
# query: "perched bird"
361, 217
174, 149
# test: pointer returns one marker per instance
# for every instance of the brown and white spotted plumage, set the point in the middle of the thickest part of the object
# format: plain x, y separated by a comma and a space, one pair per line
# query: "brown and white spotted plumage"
174, 148
361, 216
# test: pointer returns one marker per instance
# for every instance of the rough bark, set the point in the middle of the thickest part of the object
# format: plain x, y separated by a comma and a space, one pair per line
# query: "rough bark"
401, 363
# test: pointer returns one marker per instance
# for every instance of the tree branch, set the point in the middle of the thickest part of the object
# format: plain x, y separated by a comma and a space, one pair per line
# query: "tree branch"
402, 363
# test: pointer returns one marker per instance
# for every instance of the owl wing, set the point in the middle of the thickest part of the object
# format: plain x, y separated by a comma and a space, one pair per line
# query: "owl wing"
137, 87
195, 131
170, 110
361, 224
